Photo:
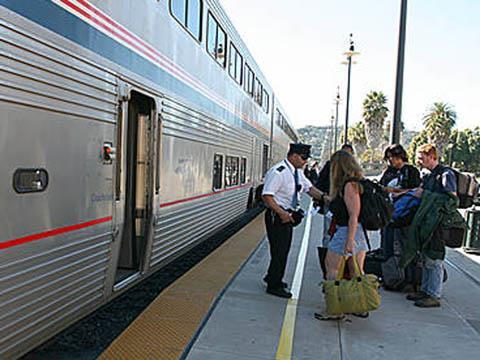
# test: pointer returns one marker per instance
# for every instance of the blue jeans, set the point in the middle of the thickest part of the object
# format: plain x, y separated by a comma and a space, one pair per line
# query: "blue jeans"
432, 277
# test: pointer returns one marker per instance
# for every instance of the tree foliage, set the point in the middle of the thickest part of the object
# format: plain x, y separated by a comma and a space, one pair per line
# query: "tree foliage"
357, 137
420, 139
439, 122
375, 112
458, 148
464, 150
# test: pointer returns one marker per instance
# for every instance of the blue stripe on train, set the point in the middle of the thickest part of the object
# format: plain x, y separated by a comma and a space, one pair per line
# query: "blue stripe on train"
60, 21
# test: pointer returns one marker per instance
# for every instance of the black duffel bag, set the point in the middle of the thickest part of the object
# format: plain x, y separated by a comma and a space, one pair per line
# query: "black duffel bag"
451, 237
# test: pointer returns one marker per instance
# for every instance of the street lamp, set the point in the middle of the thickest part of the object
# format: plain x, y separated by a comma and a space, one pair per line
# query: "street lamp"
337, 102
349, 54
332, 131
397, 113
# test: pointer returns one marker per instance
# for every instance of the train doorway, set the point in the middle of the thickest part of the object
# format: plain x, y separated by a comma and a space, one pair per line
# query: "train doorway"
138, 187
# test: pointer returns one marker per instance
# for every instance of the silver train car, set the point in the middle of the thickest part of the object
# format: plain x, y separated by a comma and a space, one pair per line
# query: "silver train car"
130, 130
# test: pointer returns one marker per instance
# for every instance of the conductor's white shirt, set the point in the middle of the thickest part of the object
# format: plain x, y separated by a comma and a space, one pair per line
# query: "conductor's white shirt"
280, 182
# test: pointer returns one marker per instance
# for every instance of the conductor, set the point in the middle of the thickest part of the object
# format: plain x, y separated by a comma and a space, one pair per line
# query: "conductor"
283, 182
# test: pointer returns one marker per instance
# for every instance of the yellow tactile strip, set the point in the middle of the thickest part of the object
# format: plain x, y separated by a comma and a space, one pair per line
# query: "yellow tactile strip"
164, 329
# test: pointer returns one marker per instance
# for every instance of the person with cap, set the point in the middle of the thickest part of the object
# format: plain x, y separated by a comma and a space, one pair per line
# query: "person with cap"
283, 182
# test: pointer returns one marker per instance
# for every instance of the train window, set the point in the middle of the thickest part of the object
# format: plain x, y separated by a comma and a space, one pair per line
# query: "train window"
189, 14
279, 117
265, 160
243, 171
231, 171
217, 171
30, 180
216, 40
258, 92
248, 83
266, 100
239, 70
179, 10
194, 17
235, 64
211, 35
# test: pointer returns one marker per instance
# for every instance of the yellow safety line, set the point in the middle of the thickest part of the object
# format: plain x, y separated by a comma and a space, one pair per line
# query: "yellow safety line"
285, 344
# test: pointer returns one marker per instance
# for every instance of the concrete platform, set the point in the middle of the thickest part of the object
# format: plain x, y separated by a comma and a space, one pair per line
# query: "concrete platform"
247, 323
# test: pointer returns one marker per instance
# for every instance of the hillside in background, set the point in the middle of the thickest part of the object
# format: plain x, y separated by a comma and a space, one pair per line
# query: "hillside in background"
320, 139
317, 136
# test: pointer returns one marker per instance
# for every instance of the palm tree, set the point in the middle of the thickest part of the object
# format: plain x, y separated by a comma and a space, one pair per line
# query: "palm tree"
418, 140
356, 134
438, 122
374, 113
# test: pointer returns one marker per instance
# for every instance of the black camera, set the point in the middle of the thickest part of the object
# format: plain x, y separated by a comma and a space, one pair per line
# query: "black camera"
297, 216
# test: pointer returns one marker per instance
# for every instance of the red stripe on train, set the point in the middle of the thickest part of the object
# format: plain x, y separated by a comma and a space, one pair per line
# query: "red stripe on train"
49, 233
70, 228
202, 196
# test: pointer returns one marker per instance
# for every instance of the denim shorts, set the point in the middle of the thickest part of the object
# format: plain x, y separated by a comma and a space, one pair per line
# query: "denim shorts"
337, 244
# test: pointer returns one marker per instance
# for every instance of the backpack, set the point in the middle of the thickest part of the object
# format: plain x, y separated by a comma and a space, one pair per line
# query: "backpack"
377, 208
405, 207
467, 188
373, 262
467, 185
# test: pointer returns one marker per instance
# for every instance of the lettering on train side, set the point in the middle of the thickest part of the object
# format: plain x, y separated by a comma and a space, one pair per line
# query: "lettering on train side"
183, 165
101, 197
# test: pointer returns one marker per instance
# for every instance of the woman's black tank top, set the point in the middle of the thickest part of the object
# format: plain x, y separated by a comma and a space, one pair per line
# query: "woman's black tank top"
339, 208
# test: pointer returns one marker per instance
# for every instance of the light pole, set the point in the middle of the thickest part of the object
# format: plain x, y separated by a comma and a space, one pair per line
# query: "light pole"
332, 131
337, 102
397, 113
350, 53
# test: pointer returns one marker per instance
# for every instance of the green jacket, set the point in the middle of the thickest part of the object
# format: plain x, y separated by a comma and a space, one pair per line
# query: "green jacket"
436, 209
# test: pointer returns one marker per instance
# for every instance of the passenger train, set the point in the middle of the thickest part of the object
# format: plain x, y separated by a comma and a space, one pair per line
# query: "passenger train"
130, 130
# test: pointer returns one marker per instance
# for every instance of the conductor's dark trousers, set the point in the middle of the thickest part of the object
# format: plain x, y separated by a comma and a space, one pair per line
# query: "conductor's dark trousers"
280, 239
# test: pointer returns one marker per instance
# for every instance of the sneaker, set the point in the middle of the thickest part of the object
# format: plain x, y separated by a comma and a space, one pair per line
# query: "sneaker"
280, 292
416, 296
427, 302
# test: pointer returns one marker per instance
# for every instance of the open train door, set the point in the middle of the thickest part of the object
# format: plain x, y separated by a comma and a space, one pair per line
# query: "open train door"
135, 186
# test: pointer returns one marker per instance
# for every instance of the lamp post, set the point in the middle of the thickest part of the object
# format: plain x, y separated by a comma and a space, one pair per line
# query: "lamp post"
332, 131
350, 53
337, 102
397, 113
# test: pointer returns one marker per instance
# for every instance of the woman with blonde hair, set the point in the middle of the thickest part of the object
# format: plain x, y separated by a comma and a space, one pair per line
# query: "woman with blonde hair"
345, 204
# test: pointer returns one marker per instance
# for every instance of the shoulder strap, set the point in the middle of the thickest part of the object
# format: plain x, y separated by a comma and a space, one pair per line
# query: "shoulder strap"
439, 169
367, 239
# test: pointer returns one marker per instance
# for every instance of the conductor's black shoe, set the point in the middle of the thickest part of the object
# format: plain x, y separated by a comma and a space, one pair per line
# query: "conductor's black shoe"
280, 292
282, 284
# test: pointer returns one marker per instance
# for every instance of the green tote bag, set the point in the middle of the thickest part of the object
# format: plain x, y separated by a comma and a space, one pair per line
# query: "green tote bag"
358, 295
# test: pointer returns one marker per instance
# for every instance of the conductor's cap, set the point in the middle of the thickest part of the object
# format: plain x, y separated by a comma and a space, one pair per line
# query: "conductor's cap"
300, 149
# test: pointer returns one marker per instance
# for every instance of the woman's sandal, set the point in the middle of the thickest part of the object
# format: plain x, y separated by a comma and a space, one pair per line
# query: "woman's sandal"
362, 315
326, 317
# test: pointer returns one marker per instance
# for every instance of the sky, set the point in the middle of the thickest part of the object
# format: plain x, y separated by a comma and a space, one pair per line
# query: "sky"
298, 44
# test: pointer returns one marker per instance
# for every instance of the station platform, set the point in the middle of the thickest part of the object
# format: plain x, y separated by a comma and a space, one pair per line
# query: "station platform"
239, 320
